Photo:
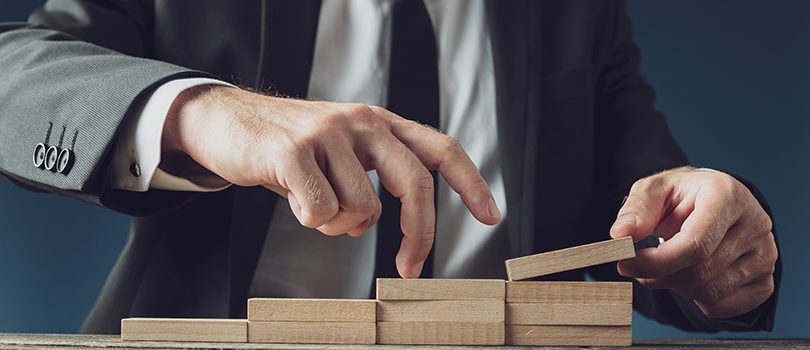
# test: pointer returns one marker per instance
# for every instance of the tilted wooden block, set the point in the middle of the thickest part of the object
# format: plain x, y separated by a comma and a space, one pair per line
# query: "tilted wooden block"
184, 329
312, 332
440, 311
312, 310
570, 258
439, 289
440, 333
569, 314
569, 292
569, 335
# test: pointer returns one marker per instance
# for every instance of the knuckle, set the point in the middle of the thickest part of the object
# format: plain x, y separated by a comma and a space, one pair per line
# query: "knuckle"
424, 181
649, 183
318, 213
766, 289
761, 223
290, 145
728, 187
767, 260
318, 199
299, 145
710, 293
366, 206
702, 273
427, 237
478, 183
358, 110
329, 122
365, 115
451, 146
376, 109
700, 251
772, 255
363, 199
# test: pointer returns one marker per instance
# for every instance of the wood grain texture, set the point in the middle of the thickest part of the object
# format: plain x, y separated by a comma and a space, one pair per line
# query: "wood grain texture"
569, 335
312, 332
440, 289
312, 310
440, 333
184, 329
569, 314
570, 258
440, 311
569, 292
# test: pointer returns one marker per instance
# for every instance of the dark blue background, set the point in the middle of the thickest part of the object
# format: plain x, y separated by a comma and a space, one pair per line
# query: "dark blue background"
732, 76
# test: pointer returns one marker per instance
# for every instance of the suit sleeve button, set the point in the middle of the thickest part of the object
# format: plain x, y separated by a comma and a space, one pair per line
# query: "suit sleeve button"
39, 155
50, 158
64, 162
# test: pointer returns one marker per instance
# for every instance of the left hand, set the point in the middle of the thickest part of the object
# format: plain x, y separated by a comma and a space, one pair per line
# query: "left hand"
719, 249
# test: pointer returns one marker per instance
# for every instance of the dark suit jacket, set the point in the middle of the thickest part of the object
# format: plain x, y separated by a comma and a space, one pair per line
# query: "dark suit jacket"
575, 120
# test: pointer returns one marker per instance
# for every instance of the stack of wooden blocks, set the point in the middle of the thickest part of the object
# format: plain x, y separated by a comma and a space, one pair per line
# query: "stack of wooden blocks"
569, 313
438, 311
319, 321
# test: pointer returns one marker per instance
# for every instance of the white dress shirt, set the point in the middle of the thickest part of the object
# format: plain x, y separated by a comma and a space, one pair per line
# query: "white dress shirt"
351, 65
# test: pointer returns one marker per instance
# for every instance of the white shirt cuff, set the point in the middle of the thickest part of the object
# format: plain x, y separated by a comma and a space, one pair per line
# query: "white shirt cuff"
136, 155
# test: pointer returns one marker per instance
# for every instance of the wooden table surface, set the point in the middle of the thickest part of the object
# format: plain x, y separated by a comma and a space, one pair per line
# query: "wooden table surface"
83, 341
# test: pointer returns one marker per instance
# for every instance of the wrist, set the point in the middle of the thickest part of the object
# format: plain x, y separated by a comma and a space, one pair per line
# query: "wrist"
185, 114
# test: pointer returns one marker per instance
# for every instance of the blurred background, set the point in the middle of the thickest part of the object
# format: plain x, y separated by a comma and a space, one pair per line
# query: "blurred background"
732, 76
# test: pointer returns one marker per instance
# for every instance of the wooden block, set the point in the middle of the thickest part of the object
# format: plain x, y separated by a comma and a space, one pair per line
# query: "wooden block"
569, 314
440, 311
570, 258
312, 310
569, 292
440, 333
184, 329
439, 289
312, 332
569, 335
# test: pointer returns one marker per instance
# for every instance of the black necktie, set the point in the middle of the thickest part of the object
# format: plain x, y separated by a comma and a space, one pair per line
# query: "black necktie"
413, 92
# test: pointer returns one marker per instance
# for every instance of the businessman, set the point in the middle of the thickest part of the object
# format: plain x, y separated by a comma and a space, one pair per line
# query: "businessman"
200, 117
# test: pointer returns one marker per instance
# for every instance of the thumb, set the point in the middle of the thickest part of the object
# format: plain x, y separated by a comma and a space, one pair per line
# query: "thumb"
642, 209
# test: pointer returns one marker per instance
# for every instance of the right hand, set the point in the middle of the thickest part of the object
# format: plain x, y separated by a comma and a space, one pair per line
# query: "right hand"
317, 154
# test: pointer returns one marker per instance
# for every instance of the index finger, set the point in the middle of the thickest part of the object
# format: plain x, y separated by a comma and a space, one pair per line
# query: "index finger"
699, 237
440, 152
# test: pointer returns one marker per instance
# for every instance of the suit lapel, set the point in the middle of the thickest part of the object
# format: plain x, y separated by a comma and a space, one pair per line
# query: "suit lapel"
284, 67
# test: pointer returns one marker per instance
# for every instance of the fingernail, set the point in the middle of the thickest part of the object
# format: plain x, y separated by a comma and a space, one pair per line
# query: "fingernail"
493, 209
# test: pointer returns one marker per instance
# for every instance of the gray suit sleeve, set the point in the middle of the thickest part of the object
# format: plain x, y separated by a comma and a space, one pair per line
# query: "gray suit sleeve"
69, 77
